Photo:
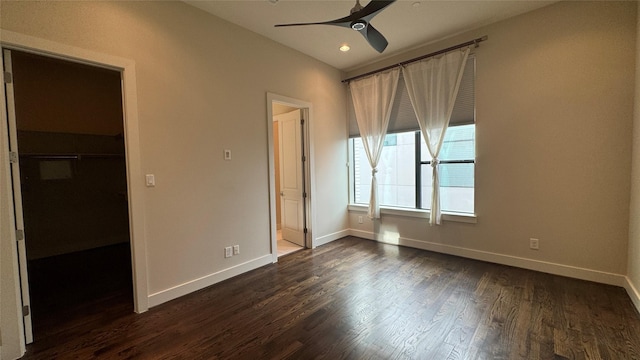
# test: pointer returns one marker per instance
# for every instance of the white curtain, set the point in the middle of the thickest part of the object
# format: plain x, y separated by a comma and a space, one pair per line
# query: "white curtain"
372, 100
433, 85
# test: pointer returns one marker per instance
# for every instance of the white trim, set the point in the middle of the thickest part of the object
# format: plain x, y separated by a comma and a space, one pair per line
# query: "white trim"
524, 263
17, 197
17, 41
417, 213
8, 227
331, 237
310, 169
634, 294
207, 280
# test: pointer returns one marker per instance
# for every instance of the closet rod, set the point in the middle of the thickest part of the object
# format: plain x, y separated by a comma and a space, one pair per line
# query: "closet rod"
68, 156
474, 42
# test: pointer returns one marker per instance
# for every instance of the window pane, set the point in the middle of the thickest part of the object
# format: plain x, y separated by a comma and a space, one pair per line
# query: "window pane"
361, 173
396, 171
456, 187
459, 144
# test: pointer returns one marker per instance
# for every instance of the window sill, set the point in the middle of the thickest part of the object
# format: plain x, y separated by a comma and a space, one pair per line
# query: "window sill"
423, 214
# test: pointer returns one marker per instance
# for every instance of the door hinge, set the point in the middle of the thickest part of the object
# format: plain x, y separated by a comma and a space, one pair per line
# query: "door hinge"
304, 195
305, 230
19, 235
301, 121
304, 158
8, 77
13, 157
25, 310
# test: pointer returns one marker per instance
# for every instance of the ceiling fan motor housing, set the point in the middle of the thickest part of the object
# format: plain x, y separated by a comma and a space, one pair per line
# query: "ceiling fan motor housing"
358, 25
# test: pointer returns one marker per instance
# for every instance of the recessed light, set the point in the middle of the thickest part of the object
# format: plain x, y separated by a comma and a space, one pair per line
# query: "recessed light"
345, 48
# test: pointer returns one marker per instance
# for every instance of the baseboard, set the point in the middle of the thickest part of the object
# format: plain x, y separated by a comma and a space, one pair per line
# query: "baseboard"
530, 264
634, 294
208, 280
331, 237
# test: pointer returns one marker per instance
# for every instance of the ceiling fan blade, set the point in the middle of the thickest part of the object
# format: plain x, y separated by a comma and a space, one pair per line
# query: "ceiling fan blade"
367, 13
375, 38
316, 23
372, 9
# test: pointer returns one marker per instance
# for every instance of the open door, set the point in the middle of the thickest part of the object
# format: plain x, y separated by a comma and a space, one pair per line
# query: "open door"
292, 182
17, 196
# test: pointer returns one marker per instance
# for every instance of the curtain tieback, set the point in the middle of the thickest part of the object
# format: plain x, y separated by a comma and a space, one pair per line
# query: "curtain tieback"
374, 171
435, 162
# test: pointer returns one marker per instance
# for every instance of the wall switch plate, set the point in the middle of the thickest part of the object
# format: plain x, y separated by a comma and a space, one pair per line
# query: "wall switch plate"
360, 219
150, 180
534, 244
227, 154
236, 249
228, 252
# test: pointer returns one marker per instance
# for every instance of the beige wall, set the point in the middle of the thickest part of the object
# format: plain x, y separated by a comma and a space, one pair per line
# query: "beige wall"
554, 102
633, 267
201, 86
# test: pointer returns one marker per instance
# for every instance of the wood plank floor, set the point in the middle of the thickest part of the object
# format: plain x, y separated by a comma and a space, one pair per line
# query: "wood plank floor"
358, 299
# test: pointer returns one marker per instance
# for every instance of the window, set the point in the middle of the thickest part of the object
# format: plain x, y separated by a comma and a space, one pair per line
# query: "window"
399, 172
405, 160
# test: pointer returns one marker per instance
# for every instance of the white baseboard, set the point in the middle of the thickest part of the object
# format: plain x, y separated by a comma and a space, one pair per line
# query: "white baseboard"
537, 265
331, 237
208, 280
634, 294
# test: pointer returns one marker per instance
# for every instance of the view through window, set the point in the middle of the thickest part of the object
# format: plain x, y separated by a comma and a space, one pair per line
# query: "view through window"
405, 162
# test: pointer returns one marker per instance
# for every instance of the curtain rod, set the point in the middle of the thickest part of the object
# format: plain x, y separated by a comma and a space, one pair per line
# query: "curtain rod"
475, 42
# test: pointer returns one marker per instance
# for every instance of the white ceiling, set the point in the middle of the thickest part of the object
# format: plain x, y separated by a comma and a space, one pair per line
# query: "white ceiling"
406, 24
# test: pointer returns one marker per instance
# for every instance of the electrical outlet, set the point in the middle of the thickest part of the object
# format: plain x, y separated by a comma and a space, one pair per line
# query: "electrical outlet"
360, 219
534, 244
236, 249
228, 252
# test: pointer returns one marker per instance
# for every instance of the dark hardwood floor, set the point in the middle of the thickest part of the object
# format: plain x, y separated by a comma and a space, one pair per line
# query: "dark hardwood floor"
69, 287
359, 299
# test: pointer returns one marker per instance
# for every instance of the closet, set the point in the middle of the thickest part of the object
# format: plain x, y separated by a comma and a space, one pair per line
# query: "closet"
69, 120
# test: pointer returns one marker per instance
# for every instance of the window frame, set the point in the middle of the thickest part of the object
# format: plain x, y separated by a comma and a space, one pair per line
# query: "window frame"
416, 212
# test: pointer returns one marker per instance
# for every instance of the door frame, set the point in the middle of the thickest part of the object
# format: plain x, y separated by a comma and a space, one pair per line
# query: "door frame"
135, 185
16, 185
309, 174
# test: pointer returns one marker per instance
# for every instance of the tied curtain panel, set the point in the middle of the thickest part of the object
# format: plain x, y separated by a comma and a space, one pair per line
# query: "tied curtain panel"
432, 85
372, 101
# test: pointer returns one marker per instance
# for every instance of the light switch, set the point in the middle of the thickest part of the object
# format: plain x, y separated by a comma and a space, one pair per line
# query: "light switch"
227, 154
150, 180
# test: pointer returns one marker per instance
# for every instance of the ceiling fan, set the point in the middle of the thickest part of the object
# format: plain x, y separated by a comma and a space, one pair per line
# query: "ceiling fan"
360, 21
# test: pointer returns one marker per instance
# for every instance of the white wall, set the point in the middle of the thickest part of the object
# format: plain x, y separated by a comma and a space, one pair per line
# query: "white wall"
554, 105
633, 268
201, 86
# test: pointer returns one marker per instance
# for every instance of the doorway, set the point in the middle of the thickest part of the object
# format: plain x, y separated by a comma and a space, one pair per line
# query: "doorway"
290, 183
70, 188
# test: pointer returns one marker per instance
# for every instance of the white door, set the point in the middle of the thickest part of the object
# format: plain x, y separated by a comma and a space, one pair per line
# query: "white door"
291, 177
17, 198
